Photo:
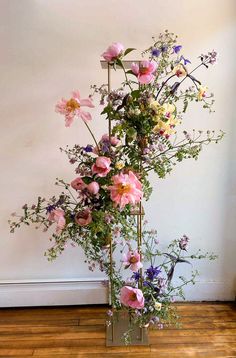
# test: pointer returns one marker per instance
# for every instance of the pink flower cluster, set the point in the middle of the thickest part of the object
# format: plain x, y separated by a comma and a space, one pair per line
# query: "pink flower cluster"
79, 184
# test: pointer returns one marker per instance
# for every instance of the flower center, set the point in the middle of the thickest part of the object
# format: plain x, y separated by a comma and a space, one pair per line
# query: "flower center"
133, 296
179, 73
72, 105
133, 260
143, 70
124, 188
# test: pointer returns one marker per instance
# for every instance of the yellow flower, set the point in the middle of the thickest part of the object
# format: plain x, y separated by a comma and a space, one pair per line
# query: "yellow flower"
119, 165
155, 105
201, 92
180, 70
157, 306
158, 110
168, 108
167, 121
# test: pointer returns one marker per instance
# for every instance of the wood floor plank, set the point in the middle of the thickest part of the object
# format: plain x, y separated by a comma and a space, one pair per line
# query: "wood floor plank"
207, 330
16, 352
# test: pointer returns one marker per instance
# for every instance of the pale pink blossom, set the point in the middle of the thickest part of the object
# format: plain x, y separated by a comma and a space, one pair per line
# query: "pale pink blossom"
93, 188
126, 189
131, 297
71, 108
78, 184
132, 260
113, 52
58, 215
101, 166
83, 217
144, 71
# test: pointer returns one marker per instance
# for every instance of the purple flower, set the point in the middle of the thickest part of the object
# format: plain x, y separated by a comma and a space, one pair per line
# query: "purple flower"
136, 276
109, 313
152, 272
155, 52
183, 243
177, 48
88, 148
49, 208
185, 60
212, 57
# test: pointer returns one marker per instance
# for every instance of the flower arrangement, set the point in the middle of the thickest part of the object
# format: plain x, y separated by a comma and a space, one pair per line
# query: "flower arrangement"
100, 208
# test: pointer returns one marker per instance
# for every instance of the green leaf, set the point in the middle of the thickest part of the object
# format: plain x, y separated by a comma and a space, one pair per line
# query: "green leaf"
129, 72
119, 63
135, 93
128, 50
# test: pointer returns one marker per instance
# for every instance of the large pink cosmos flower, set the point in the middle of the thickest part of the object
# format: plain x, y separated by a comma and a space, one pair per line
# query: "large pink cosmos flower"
83, 217
71, 108
113, 52
131, 297
126, 189
144, 71
101, 166
132, 260
58, 215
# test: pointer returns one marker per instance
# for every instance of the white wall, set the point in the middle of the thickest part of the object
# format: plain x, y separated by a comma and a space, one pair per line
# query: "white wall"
50, 47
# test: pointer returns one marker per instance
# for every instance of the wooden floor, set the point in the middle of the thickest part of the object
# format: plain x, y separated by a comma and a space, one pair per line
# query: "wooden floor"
208, 330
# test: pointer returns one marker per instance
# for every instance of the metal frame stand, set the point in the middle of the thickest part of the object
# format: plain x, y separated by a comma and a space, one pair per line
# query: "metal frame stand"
120, 321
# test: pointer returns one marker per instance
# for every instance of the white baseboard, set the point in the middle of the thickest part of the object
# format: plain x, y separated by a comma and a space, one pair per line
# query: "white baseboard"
81, 292
52, 293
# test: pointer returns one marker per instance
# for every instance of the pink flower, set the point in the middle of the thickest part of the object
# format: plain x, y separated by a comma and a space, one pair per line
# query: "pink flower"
72, 108
126, 189
113, 52
132, 260
131, 297
58, 215
93, 187
144, 71
83, 217
113, 140
78, 184
101, 166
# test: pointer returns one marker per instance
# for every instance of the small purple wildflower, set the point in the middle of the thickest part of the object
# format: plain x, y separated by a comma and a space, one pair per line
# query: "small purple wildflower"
136, 276
213, 57
108, 218
185, 60
49, 208
177, 48
88, 148
109, 313
183, 243
156, 319
155, 52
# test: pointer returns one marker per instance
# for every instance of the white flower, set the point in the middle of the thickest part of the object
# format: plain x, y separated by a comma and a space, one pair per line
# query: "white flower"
157, 306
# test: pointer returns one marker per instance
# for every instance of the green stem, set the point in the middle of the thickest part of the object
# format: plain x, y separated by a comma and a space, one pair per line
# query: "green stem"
92, 135
126, 78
